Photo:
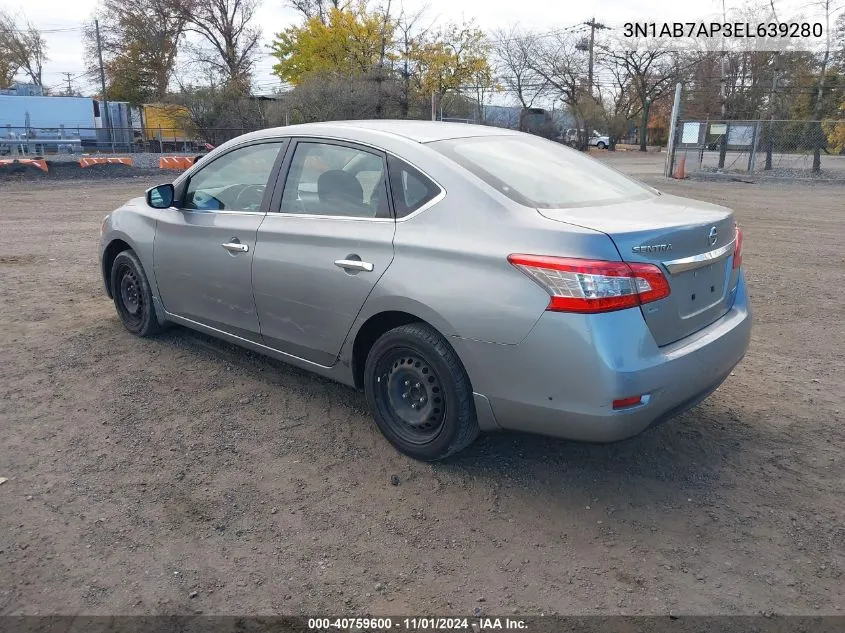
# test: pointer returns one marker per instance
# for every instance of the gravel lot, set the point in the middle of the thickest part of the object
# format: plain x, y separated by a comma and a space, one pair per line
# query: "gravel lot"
182, 475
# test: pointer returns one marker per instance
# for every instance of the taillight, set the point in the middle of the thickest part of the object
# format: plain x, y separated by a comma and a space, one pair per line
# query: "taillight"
738, 249
586, 285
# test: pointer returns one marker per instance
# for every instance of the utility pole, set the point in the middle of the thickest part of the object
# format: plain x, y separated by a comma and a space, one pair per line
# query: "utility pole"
723, 146
722, 90
673, 130
770, 142
593, 26
103, 82
69, 90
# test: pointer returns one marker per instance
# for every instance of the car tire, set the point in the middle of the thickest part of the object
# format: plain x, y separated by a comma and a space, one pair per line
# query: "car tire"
419, 393
601, 145
133, 297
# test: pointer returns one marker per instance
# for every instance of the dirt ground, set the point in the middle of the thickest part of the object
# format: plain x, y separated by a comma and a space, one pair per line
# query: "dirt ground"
182, 475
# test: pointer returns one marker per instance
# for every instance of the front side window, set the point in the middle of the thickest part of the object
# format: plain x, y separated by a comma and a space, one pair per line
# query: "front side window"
539, 173
327, 179
411, 189
233, 182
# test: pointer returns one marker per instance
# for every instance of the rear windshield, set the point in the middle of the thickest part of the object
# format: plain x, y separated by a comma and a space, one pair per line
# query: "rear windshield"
540, 173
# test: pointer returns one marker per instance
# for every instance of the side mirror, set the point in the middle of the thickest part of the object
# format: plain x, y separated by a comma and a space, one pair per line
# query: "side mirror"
161, 197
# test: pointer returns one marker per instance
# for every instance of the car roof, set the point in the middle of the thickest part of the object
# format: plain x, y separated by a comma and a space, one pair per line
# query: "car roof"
419, 131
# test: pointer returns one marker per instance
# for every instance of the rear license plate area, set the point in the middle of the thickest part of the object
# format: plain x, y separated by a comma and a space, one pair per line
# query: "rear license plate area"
698, 290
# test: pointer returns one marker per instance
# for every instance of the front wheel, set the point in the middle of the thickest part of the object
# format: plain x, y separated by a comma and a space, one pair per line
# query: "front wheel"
132, 295
601, 145
419, 393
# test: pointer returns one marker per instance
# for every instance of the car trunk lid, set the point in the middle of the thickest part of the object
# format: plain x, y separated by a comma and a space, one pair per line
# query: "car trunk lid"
692, 243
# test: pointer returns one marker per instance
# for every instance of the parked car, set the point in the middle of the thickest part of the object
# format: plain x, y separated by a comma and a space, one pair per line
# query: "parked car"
467, 278
570, 137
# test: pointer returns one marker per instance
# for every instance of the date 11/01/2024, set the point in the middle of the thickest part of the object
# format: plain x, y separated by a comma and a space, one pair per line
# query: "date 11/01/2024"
417, 624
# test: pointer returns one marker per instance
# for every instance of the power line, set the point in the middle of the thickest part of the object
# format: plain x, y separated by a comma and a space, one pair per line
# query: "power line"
540, 35
42, 30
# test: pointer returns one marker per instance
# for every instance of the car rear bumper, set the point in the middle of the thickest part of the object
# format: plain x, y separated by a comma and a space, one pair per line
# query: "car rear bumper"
562, 379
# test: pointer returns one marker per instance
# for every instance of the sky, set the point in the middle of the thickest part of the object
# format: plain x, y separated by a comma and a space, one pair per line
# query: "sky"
62, 20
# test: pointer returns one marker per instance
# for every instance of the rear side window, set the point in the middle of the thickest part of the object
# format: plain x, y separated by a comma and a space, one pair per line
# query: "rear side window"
538, 173
410, 188
335, 180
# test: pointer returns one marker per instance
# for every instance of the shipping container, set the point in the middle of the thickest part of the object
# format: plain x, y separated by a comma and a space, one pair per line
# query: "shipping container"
165, 123
44, 116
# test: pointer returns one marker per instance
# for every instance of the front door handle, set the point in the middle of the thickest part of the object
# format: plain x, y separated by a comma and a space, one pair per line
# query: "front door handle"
235, 247
354, 264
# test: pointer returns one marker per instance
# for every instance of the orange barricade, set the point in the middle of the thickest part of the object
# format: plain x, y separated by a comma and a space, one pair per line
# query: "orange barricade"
175, 162
38, 162
102, 160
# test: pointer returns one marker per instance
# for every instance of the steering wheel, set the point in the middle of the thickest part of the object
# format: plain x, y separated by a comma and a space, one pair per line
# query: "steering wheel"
249, 197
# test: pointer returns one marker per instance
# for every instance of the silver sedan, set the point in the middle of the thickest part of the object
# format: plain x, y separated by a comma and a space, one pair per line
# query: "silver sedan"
466, 278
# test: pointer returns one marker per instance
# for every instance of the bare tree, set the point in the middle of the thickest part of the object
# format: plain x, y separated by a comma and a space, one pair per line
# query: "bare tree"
839, 38
386, 31
409, 34
618, 96
22, 48
818, 109
331, 98
514, 53
231, 42
561, 63
650, 71
217, 113
317, 8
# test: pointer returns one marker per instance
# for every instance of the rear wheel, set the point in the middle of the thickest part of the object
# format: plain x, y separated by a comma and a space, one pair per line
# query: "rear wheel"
419, 393
133, 297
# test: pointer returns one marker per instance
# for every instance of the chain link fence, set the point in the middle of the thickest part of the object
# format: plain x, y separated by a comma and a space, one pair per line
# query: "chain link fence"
760, 148
30, 142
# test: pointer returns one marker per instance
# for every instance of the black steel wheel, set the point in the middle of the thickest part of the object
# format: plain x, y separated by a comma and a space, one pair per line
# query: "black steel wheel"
411, 393
419, 393
132, 295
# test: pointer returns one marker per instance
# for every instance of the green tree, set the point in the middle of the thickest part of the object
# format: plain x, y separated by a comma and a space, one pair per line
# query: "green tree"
348, 43
140, 40
8, 68
391, 57
451, 59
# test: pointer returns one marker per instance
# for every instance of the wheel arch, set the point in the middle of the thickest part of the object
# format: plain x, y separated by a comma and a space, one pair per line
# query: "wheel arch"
370, 331
116, 246
384, 315
118, 243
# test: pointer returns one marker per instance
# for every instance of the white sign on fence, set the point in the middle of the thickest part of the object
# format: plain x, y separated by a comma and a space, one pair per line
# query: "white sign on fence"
690, 132
741, 135
718, 128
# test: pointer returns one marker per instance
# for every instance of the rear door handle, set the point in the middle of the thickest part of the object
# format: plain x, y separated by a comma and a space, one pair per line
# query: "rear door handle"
235, 247
354, 264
